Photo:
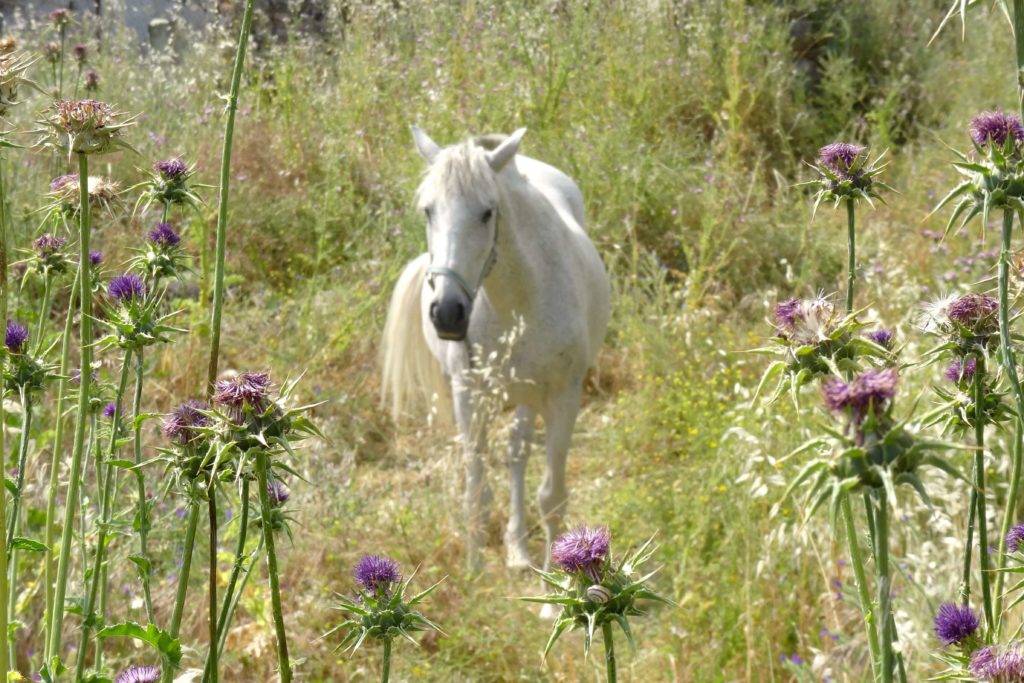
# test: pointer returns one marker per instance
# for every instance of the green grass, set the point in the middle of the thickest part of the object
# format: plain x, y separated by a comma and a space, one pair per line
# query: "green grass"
685, 125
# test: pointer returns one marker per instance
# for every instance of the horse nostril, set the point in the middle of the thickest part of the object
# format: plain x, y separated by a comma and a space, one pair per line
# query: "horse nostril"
460, 313
433, 311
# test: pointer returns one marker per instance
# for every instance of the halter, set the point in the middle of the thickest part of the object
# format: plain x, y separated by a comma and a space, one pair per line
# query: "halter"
445, 271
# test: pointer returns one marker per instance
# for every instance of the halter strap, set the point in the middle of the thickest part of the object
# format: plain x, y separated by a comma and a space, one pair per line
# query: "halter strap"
445, 271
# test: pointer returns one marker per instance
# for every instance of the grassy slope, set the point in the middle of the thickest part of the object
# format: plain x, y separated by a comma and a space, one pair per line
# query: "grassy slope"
684, 130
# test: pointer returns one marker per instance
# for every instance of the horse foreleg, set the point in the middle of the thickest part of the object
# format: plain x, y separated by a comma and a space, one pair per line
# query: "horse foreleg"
473, 434
553, 495
520, 438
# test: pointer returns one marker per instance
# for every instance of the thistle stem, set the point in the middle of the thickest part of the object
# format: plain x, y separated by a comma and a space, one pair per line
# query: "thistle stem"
965, 580
243, 521
1008, 515
44, 310
609, 651
106, 507
57, 452
884, 590
262, 466
385, 669
222, 208
979, 485
851, 253
1018, 32
85, 345
225, 621
186, 568
14, 522
862, 584
140, 480
4, 588
211, 657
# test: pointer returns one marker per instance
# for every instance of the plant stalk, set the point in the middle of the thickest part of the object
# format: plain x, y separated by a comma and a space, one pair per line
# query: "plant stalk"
385, 669
262, 467
609, 651
14, 522
226, 611
222, 208
186, 568
862, 585
85, 345
1008, 515
979, 485
140, 480
211, 656
5, 663
884, 589
851, 254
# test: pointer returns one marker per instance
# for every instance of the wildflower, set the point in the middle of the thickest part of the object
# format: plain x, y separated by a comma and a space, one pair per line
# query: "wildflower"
976, 312
109, 410
92, 80
869, 391
127, 288
164, 236
997, 127
955, 623
840, 157
376, 573
244, 390
989, 664
1014, 538
278, 493
95, 257
882, 337
52, 52
15, 337
183, 423
806, 321
960, 372
79, 52
84, 127
139, 674
60, 18
582, 550
103, 192
787, 313
76, 376
170, 169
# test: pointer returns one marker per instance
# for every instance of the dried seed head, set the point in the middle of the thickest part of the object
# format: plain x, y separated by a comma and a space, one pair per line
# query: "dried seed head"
84, 127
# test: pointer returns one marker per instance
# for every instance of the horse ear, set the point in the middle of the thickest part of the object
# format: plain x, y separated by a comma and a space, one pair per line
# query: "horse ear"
427, 148
504, 152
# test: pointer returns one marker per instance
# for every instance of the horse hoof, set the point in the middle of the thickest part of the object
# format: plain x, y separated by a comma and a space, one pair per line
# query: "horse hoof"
517, 559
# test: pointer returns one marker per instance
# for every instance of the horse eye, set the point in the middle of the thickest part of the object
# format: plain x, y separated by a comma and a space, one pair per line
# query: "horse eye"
487, 216
428, 213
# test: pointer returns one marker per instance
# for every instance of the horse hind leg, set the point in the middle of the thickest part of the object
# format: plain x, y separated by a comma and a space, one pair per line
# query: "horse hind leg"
520, 438
553, 494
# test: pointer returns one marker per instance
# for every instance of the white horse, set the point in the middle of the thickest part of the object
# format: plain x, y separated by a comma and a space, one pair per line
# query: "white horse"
506, 243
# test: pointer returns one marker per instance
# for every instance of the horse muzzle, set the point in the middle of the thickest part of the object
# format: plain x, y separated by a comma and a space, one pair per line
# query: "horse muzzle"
450, 317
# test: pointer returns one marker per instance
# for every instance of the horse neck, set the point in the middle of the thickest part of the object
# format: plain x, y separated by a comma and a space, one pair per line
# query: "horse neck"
513, 285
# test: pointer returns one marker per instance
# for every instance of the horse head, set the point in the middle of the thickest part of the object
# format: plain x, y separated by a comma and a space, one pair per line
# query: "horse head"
459, 198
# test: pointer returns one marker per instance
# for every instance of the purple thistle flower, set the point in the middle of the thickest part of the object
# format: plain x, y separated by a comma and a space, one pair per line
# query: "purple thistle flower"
278, 493
79, 52
180, 425
995, 126
126, 288
1014, 538
109, 410
164, 236
48, 245
245, 388
60, 17
955, 623
583, 549
882, 337
76, 376
989, 664
869, 390
62, 181
92, 80
170, 169
972, 310
16, 337
787, 313
95, 257
376, 573
839, 157
960, 372
139, 674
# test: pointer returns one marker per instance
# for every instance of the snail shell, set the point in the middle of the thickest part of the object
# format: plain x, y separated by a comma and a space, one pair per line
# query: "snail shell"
598, 594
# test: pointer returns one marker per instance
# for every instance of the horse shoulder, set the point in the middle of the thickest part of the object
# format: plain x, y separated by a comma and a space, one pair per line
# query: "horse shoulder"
561, 190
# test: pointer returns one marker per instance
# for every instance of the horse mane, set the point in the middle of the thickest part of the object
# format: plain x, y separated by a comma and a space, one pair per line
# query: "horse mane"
462, 170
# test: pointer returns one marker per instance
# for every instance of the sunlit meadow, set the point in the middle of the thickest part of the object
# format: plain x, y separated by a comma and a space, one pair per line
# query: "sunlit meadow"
691, 129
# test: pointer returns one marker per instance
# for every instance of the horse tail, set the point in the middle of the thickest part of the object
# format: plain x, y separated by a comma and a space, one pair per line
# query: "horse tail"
411, 375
